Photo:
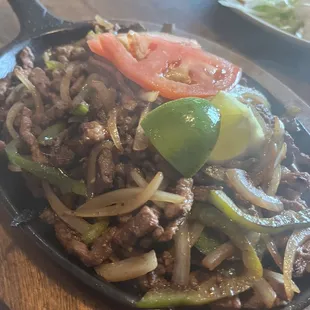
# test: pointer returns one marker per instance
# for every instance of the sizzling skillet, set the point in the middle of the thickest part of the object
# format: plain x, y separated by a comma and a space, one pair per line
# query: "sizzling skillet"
40, 31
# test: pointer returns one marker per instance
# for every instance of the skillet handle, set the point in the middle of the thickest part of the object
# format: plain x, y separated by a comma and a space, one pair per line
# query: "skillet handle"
34, 18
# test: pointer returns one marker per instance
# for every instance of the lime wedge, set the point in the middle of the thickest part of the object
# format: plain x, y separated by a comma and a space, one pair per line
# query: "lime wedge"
184, 132
240, 130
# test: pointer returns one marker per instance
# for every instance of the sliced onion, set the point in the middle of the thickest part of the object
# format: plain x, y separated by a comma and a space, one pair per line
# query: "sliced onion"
138, 178
273, 250
15, 94
126, 193
281, 155
278, 132
10, 118
130, 268
296, 240
141, 182
275, 182
239, 181
215, 258
195, 229
91, 168
77, 224
20, 74
182, 250
112, 127
126, 206
141, 142
148, 96
104, 23
276, 280
169, 37
266, 292
65, 84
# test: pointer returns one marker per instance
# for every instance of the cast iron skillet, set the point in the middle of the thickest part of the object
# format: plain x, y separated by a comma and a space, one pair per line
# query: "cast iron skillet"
40, 30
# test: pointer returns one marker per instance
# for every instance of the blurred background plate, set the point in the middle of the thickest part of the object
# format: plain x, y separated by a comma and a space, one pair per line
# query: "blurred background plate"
273, 29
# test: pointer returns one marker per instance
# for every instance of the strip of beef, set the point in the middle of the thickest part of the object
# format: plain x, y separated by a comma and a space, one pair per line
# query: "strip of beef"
40, 80
93, 132
57, 111
27, 58
166, 234
201, 192
29, 138
57, 76
100, 251
265, 114
152, 280
140, 225
298, 181
77, 85
166, 260
294, 153
302, 259
78, 53
61, 156
183, 188
106, 165
296, 205
4, 87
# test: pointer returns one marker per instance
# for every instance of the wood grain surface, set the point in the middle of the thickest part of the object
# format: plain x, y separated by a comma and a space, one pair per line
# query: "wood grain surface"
29, 280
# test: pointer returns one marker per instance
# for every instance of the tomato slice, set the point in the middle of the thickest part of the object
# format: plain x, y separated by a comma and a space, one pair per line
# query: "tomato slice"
208, 73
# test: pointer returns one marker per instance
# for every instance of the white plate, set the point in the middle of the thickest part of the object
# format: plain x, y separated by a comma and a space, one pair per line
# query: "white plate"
270, 28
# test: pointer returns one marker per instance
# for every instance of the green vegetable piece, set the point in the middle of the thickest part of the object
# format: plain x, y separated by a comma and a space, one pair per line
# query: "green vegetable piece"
184, 131
53, 64
52, 175
207, 243
95, 231
51, 133
273, 225
210, 290
81, 109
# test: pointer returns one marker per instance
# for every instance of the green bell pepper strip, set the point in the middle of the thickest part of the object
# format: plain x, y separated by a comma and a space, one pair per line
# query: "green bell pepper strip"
81, 109
51, 132
273, 225
50, 174
207, 243
95, 231
53, 64
210, 290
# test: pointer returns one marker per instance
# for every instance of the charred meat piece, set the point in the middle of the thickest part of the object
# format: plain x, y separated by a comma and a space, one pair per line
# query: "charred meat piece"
296, 205
57, 111
302, 259
93, 132
183, 188
294, 152
4, 87
40, 80
27, 58
106, 165
29, 138
100, 251
298, 181
140, 225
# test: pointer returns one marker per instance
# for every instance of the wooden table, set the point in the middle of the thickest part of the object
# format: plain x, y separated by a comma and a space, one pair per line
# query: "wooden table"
29, 280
